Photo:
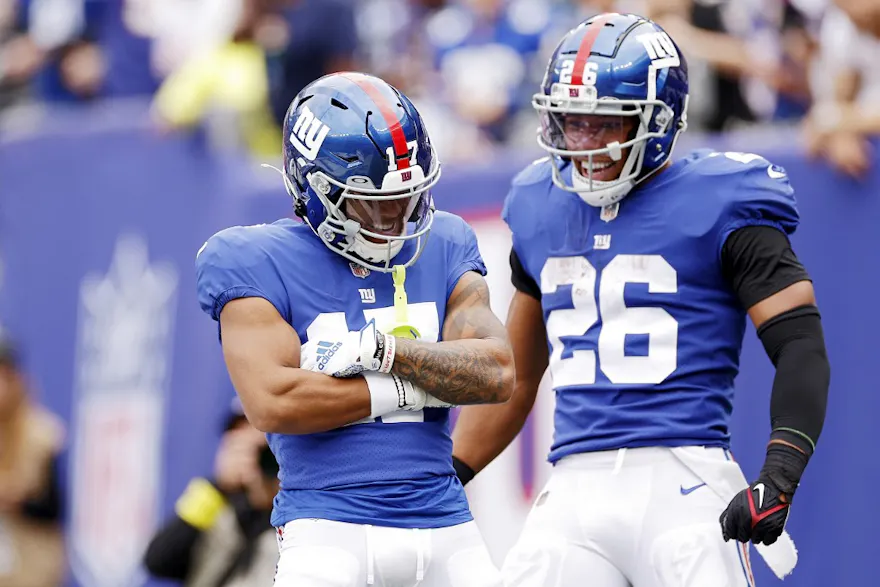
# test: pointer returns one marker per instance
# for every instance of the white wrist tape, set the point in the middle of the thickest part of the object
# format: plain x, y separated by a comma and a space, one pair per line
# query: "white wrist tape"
386, 393
386, 361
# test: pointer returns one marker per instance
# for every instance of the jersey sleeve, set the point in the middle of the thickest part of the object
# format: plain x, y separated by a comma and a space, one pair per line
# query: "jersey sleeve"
463, 255
528, 188
761, 195
232, 265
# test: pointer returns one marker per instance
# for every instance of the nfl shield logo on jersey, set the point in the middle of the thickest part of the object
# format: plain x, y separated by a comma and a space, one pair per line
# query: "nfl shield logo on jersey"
358, 270
609, 213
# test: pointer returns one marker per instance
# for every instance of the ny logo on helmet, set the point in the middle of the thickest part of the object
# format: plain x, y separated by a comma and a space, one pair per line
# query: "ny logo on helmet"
658, 46
308, 134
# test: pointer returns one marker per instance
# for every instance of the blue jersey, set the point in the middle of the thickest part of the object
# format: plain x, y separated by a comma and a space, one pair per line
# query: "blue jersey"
396, 470
644, 331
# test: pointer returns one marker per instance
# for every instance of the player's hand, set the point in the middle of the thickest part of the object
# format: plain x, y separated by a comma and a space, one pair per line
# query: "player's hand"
355, 353
756, 514
759, 512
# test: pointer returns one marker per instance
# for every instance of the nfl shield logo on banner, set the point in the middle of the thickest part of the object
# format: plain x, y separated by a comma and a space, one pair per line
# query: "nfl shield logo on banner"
122, 361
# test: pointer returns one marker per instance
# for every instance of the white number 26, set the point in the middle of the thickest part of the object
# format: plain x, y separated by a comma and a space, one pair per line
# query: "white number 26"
618, 320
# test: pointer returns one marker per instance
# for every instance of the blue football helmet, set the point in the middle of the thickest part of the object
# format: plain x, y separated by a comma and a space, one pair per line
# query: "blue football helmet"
612, 104
360, 166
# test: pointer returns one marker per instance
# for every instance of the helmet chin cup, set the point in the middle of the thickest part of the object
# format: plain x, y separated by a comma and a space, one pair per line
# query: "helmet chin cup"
597, 193
375, 252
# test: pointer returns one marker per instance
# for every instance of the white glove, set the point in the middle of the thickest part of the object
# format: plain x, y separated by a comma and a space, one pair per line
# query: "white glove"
357, 352
386, 390
389, 393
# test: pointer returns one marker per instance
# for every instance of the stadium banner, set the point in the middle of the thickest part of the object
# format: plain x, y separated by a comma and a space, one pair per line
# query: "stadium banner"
98, 235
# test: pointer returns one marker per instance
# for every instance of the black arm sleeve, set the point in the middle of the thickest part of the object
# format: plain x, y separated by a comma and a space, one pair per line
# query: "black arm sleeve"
169, 554
521, 279
758, 262
795, 343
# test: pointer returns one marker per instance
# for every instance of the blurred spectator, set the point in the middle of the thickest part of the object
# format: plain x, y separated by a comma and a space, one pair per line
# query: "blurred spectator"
52, 50
484, 52
88, 49
751, 58
229, 79
276, 48
31, 543
479, 63
392, 41
142, 41
221, 535
304, 40
20, 57
847, 84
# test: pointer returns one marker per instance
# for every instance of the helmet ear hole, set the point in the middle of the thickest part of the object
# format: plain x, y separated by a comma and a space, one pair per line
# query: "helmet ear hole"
299, 208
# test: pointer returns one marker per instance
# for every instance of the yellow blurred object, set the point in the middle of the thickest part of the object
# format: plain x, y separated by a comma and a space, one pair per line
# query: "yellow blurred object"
232, 77
201, 504
401, 312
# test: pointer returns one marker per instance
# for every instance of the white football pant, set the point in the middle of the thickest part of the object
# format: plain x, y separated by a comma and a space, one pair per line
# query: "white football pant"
637, 517
324, 553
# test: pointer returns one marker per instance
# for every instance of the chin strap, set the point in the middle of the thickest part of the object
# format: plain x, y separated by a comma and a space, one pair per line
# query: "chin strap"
401, 309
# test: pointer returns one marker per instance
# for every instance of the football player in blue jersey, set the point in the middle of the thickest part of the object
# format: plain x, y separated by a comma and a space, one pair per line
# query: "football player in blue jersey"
349, 335
634, 273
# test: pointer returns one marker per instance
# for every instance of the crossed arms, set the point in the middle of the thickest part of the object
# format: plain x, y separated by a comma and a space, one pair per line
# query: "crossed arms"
473, 364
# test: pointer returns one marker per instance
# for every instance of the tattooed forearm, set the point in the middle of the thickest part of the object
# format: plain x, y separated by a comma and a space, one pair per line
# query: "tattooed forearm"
459, 372
474, 364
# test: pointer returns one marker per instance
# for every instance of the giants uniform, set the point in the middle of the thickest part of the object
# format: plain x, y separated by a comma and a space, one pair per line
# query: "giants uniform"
645, 333
346, 493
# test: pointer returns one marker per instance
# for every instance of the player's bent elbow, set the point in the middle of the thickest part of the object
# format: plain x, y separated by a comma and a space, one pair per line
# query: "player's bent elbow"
261, 416
274, 414
282, 417
508, 385
265, 421
508, 375
525, 390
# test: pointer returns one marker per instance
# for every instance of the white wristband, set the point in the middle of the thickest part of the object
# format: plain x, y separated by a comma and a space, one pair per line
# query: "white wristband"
385, 393
388, 350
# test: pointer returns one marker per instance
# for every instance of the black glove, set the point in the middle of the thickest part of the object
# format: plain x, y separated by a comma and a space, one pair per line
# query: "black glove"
759, 512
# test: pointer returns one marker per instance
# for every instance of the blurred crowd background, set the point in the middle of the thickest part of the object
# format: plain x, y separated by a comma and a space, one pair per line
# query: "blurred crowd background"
133, 468
471, 66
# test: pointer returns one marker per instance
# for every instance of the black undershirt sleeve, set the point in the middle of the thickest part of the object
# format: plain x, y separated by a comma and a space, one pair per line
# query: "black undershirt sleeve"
521, 280
758, 262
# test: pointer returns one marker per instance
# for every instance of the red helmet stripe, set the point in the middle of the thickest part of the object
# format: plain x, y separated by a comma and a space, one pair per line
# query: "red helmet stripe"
583, 54
401, 151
